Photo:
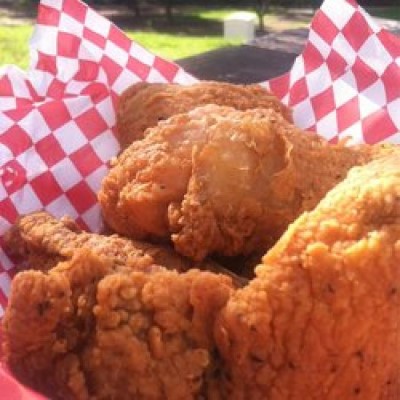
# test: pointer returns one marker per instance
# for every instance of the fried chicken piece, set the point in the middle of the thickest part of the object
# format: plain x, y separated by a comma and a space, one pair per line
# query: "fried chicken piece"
219, 180
322, 318
320, 321
143, 105
39, 240
153, 173
86, 329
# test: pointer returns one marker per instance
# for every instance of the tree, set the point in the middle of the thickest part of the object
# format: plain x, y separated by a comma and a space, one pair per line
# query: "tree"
133, 5
167, 4
261, 7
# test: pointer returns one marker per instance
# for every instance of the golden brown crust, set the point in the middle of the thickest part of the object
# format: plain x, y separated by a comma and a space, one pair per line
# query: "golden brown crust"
219, 180
40, 241
47, 319
143, 105
321, 320
153, 173
84, 330
245, 189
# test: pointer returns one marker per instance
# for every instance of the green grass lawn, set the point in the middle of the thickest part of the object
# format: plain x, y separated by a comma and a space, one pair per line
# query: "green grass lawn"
385, 12
175, 46
14, 45
14, 40
172, 45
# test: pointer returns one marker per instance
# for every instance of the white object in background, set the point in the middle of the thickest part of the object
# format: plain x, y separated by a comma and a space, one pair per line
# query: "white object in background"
240, 25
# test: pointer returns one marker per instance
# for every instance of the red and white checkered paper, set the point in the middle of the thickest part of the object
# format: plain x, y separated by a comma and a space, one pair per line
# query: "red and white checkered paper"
346, 82
56, 120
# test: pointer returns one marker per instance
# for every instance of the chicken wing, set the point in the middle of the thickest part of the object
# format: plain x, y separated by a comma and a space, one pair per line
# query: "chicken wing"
219, 180
143, 105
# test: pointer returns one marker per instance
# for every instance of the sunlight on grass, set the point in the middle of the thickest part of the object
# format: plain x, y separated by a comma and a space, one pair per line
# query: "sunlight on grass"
14, 45
385, 12
175, 46
14, 39
216, 14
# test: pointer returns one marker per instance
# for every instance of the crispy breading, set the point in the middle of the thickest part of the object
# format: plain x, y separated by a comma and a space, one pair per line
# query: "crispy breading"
143, 105
153, 173
39, 240
86, 330
322, 318
219, 180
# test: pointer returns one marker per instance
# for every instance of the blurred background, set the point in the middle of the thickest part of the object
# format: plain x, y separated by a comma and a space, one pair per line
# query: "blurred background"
175, 29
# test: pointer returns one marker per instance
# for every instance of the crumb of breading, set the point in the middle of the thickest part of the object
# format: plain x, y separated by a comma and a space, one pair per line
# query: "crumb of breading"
85, 330
321, 319
143, 105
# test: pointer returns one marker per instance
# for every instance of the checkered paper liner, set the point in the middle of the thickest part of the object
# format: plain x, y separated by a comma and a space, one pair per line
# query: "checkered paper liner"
346, 82
57, 120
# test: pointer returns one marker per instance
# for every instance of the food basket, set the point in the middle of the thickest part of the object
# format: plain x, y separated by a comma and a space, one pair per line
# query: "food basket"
57, 119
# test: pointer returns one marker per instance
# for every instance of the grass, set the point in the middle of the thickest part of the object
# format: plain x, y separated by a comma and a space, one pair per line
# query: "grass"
14, 40
385, 12
185, 43
197, 30
14, 45
175, 46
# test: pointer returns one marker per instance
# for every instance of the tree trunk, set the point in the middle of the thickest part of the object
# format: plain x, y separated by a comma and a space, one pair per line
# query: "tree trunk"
261, 25
135, 7
261, 10
168, 11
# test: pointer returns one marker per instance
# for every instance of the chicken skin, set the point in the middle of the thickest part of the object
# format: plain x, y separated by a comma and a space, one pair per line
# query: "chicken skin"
86, 329
143, 105
221, 181
39, 240
322, 318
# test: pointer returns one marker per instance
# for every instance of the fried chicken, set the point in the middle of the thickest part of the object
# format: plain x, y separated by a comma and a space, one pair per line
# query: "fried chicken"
143, 105
223, 181
39, 240
320, 321
87, 329
322, 318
